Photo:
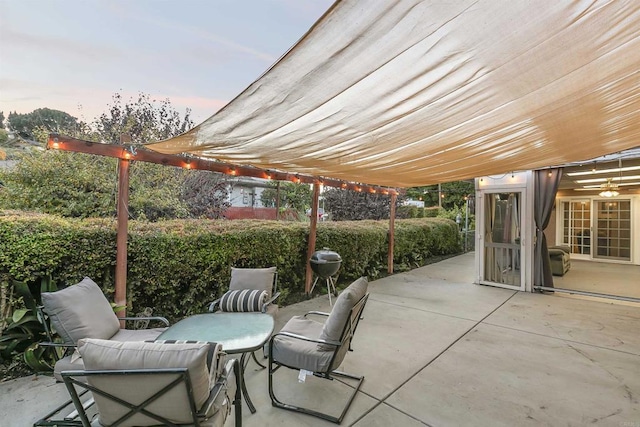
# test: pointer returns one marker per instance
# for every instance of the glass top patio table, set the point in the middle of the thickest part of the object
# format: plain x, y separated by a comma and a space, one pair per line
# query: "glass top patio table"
237, 332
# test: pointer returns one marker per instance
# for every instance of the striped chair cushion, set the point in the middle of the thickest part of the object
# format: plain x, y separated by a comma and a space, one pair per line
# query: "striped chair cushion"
244, 300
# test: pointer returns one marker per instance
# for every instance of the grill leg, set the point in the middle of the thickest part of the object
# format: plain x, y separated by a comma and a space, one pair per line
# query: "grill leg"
314, 285
331, 289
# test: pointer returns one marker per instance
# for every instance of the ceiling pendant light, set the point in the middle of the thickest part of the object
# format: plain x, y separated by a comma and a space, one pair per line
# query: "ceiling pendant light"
609, 189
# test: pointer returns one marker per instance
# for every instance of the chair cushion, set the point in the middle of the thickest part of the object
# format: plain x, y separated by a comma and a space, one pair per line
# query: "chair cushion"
301, 354
252, 278
81, 311
108, 355
244, 300
137, 334
72, 362
334, 326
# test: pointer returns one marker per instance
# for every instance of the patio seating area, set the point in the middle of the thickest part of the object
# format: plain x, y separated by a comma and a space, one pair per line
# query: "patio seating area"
437, 350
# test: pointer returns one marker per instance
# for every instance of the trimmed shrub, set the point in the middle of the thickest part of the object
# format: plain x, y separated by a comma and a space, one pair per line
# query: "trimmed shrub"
177, 267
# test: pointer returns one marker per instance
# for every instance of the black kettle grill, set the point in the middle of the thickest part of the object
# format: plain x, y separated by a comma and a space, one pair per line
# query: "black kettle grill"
325, 264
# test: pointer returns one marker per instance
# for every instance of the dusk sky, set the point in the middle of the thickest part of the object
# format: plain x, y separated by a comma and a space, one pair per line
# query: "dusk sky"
73, 55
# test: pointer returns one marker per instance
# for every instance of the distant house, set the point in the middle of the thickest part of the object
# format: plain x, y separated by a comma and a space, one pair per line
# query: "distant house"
416, 203
246, 192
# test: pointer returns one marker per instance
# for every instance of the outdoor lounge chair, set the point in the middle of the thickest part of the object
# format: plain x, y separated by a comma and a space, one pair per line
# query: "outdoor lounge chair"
304, 344
82, 311
150, 384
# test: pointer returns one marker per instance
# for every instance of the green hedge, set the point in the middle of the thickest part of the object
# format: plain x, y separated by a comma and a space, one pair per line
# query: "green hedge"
177, 267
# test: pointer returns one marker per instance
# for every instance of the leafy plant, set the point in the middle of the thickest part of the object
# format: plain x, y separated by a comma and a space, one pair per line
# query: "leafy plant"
24, 329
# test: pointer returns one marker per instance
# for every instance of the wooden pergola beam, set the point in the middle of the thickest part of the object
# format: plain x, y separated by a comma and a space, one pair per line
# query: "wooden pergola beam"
128, 152
140, 153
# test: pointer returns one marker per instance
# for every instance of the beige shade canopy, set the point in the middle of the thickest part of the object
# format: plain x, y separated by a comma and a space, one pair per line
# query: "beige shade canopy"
407, 93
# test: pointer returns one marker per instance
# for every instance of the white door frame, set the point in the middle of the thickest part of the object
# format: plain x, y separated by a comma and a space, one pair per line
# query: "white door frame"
521, 182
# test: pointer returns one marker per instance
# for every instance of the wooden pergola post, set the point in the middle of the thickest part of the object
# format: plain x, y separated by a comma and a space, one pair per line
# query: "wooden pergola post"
312, 235
122, 233
392, 231
278, 201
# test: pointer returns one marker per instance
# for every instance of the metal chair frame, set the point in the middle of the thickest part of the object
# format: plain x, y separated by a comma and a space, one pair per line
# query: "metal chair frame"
275, 294
80, 418
67, 347
346, 337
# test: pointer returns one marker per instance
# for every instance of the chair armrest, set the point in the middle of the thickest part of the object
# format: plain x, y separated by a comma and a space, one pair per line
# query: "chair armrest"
58, 345
303, 338
318, 313
213, 305
273, 298
270, 301
158, 318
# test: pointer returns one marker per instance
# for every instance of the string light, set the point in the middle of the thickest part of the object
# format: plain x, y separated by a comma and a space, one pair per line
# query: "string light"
128, 152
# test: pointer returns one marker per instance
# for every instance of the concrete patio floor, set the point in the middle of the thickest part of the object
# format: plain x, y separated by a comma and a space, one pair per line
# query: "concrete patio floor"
437, 350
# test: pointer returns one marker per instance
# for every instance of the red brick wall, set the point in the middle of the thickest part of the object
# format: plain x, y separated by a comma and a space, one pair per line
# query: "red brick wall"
236, 212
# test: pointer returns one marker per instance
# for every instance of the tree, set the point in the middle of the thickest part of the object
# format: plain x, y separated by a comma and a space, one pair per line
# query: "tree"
80, 185
348, 205
53, 121
60, 183
142, 119
206, 194
1, 119
292, 196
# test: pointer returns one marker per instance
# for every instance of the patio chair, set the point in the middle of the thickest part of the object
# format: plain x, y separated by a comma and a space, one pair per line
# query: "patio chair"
82, 311
250, 289
150, 384
305, 344
239, 296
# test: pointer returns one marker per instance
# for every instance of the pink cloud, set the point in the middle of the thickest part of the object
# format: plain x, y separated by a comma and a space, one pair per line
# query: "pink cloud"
87, 103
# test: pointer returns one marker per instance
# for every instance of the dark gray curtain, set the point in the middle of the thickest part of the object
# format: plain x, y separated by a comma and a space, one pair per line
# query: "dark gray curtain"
545, 189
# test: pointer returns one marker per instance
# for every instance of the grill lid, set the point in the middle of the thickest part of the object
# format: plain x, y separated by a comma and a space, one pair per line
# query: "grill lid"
325, 256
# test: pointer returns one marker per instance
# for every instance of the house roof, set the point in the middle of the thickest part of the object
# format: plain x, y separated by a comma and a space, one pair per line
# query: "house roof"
419, 92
